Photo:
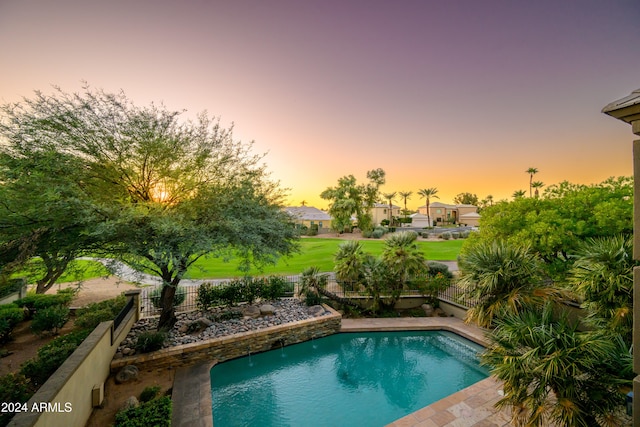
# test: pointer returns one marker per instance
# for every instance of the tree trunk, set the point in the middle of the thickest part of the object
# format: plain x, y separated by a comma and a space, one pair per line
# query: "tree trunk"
168, 316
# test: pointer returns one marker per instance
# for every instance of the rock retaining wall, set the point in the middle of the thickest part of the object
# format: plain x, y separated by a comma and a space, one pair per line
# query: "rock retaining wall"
238, 345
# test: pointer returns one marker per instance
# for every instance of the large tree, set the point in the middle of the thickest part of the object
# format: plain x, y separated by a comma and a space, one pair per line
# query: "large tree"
466, 199
349, 198
531, 171
168, 191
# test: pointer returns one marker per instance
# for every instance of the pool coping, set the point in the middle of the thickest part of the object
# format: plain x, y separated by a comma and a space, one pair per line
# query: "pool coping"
472, 406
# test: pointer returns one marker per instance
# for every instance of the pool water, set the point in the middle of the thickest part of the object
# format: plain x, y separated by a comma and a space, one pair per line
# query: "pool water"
348, 379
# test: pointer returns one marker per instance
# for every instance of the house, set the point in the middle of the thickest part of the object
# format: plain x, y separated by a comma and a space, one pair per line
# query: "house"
442, 213
308, 216
380, 211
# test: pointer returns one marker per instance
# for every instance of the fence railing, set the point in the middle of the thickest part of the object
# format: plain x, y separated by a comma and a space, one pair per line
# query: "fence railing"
187, 295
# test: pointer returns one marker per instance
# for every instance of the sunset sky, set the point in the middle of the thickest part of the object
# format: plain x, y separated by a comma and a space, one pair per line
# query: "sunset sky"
463, 95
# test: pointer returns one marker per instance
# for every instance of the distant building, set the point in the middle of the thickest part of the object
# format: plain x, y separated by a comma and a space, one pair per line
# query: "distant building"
442, 213
380, 211
308, 216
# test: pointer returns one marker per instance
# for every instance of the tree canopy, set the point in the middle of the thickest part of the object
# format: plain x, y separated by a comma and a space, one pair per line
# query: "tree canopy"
349, 198
138, 183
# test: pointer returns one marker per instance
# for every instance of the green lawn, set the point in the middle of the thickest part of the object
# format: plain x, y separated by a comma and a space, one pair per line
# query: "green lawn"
316, 252
78, 270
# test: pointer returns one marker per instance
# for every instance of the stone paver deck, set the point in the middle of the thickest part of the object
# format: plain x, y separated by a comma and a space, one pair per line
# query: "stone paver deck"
472, 406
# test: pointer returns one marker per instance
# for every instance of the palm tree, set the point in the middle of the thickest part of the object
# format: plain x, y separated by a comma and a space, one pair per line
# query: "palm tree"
554, 374
602, 276
503, 278
349, 264
427, 193
406, 195
314, 282
404, 260
537, 185
518, 194
531, 172
390, 197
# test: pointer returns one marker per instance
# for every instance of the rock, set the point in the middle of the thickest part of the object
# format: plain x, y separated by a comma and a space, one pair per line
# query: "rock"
131, 402
204, 322
316, 310
183, 329
251, 311
267, 309
126, 374
428, 309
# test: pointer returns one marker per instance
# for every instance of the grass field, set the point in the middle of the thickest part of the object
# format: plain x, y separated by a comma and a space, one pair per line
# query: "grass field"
317, 252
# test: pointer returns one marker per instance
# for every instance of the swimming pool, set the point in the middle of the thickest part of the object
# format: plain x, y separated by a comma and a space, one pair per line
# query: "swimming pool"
348, 379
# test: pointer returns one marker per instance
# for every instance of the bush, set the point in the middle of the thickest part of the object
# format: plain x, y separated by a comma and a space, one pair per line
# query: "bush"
311, 298
275, 287
10, 316
91, 315
156, 294
51, 356
35, 302
209, 296
50, 319
446, 235
378, 232
150, 341
455, 235
434, 267
14, 388
156, 412
149, 393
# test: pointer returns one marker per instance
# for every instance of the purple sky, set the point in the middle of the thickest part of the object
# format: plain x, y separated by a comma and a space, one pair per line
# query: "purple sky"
463, 96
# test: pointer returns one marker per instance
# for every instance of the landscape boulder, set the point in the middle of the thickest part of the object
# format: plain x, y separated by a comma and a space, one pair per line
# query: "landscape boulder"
316, 310
127, 373
251, 311
267, 310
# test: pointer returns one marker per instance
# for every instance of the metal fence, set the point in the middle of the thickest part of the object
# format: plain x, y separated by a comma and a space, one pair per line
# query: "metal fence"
150, 296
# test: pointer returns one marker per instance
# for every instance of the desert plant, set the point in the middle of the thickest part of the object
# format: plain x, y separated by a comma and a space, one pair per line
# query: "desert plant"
445, 235
50, 319
150, 341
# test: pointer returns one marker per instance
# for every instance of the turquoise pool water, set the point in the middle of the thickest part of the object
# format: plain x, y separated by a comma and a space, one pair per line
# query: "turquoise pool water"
348, 379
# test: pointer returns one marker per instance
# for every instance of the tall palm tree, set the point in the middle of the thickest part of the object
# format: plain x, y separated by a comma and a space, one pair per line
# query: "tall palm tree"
518, 194
390, 197
406, 195
427, 193
537, 185
531, 172
554, 374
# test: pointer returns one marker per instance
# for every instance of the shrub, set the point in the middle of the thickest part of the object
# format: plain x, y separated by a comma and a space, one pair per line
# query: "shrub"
91, 315
156, 412
50, 319
378, 232
35, 302
149, 393
231, 292
446, 235
275, 287
367, 234
209, 295
150, 341
51, 356
14, 388
434, 267
311, 298
10, 316
250, 289
465, 234
156, 294
455, 235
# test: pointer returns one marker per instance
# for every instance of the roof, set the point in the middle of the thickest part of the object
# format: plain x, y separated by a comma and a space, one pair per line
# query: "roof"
470, 215
447, 206
627, 108
307, 213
